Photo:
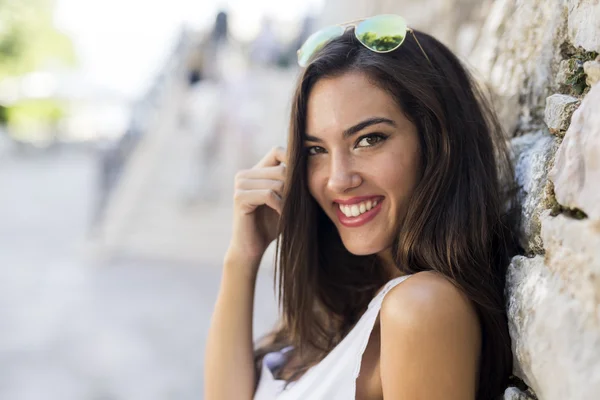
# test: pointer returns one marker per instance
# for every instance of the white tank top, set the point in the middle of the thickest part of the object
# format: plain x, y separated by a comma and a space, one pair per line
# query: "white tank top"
334, 378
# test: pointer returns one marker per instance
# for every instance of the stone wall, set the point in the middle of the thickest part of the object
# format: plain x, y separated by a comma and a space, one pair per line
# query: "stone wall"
539, 58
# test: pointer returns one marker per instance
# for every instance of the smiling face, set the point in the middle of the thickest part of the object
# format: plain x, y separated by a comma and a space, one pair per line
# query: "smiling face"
363, 160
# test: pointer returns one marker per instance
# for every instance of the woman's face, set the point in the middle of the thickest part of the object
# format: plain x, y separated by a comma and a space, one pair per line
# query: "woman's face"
363, 160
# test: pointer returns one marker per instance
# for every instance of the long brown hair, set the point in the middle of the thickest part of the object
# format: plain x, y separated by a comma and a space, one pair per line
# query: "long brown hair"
456, 222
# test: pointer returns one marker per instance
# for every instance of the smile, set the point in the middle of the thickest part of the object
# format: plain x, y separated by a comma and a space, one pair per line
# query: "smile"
358, 213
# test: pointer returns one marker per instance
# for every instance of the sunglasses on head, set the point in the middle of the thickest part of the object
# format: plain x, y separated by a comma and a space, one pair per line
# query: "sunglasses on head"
381, 34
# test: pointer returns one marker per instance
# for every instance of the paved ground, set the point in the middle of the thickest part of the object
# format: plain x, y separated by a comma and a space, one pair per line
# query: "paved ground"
77, 329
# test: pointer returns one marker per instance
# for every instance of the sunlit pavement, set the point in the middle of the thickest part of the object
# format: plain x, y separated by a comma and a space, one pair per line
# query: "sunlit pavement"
76, 328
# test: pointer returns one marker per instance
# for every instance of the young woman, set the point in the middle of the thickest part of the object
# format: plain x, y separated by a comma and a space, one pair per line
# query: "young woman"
393, 243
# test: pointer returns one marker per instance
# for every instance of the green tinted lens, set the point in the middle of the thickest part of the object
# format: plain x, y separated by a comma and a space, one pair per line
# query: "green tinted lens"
382, 33
316, 41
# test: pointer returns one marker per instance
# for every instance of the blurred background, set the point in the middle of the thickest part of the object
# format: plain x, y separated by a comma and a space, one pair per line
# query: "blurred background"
122, 123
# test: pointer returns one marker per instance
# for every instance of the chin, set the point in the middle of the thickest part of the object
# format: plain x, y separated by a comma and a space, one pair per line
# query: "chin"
361, 248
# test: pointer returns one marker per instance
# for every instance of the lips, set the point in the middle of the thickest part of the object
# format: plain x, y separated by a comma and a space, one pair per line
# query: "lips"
362, 219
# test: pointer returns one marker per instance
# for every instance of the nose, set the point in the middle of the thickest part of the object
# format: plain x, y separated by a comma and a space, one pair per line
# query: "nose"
342, 175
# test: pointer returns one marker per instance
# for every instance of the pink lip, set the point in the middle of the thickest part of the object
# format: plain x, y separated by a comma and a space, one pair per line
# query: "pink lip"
353, 222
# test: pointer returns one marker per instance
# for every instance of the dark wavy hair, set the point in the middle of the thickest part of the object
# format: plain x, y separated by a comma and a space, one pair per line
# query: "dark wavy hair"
457, 222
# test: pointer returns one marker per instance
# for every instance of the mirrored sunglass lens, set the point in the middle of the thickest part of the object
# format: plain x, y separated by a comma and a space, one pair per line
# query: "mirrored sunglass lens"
316, 41
382, 33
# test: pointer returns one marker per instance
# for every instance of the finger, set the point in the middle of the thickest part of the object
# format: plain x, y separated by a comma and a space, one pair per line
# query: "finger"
249, 200
276, 156
277, 172
258, 184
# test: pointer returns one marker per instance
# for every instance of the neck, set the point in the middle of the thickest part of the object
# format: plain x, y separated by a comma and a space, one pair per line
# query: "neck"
389, 264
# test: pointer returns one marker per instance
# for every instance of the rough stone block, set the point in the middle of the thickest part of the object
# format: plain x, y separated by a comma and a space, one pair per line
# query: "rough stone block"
518, 63
573, 253
512, 393
532, 156
584, 24
592, 71
564, 71
576, 171
555, 345
559, 108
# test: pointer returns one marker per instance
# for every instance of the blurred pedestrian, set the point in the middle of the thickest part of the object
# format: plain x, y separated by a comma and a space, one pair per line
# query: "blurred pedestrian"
265, 49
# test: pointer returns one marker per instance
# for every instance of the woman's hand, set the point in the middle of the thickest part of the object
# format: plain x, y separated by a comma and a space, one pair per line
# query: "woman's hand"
258, 202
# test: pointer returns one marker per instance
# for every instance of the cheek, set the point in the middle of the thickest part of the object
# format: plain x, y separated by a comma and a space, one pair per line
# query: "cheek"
312, 179
317, 183
398, 172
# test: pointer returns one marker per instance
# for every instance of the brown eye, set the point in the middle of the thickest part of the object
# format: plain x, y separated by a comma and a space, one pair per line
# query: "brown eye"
314, 150
370, 140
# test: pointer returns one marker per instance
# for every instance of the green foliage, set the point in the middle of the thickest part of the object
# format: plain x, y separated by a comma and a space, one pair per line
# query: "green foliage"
575, 213
28, 38
29, 42
3, 115
550, 199
48, 111
576, 76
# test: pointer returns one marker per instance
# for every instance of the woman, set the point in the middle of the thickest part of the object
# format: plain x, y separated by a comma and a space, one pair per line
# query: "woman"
394, 244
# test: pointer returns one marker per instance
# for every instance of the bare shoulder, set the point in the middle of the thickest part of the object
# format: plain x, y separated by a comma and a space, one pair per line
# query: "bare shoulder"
429, 324
428, 299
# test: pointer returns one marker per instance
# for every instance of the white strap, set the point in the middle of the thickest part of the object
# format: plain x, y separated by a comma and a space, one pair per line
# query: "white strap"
373, 309
378, 299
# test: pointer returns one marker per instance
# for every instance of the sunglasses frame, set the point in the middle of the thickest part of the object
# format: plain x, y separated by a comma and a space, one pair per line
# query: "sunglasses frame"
354, 24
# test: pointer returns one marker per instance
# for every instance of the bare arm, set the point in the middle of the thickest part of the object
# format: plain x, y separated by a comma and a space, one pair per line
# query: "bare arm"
229, 369
430, 341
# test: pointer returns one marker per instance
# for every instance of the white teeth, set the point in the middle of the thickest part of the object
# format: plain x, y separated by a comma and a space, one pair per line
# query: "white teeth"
346, 210
355, 210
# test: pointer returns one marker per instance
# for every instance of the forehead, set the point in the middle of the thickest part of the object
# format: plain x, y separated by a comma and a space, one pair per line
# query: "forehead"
337, 103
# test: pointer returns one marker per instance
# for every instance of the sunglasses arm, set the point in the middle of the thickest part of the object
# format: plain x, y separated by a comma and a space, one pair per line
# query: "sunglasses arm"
417, 40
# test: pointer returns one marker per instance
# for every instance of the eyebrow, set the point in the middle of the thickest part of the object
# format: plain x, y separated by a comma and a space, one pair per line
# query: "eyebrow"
356, 128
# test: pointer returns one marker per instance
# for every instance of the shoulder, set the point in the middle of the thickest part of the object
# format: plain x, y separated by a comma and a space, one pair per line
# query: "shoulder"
427, 300
430, 336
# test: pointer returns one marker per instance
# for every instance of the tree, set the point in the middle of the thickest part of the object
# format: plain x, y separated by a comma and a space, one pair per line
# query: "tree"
28, 38
29, 42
